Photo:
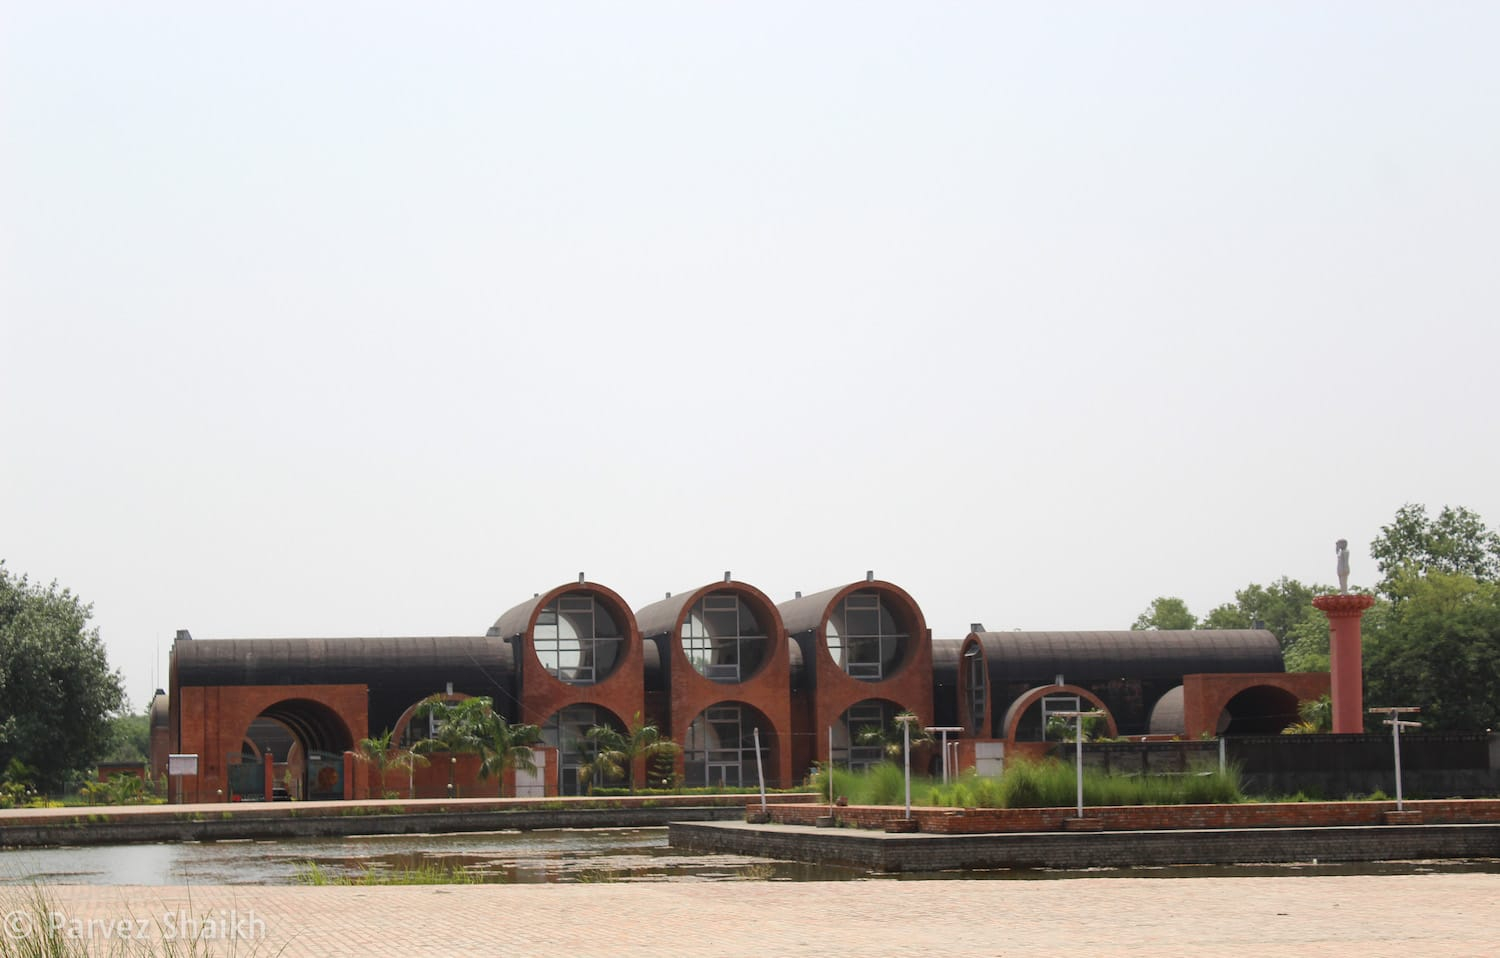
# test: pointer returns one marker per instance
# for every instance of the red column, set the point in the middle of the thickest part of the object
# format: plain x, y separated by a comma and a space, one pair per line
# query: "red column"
1346, 673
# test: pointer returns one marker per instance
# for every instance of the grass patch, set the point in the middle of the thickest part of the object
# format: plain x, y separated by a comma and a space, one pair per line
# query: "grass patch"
1048, 784
312, 873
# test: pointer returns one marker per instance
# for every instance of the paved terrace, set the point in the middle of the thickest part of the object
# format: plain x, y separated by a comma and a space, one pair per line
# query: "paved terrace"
1367, 916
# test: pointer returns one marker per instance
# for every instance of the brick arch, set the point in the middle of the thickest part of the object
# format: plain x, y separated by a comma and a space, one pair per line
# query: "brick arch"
1207, 696
1018, 708
315, 725
398, 736
773, 741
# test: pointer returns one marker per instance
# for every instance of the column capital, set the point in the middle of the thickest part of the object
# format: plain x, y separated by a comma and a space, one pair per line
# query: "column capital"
1343, 605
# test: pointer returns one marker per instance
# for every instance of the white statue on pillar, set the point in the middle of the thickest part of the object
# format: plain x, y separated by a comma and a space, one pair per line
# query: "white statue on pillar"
1342, 548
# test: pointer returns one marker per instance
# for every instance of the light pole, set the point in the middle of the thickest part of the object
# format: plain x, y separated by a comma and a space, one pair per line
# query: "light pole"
906, 718
1078, 718
1396, 724
943, 731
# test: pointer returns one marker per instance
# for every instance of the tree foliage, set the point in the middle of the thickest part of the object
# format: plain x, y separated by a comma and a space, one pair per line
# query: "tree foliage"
57, 691
1436, 645
1457, 542
472, 726
1166, 613
616, 752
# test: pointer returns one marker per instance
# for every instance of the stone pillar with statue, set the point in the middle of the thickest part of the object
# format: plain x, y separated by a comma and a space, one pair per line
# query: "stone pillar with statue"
1345, 666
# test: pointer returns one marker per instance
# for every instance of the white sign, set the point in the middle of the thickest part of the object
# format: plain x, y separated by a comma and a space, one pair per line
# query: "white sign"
182, 765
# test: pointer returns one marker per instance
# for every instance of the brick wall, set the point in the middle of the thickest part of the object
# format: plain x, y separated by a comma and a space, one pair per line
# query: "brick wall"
952, 821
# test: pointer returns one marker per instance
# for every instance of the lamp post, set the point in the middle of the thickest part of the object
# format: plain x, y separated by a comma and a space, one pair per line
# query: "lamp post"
943, 731
1078, 718
1396, 724
906, 718
452, 774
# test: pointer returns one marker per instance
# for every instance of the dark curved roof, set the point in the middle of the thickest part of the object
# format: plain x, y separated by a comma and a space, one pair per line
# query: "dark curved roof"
945, 661
517, 620
1032, 658
161, 713
807, 613
661, 617
427, 661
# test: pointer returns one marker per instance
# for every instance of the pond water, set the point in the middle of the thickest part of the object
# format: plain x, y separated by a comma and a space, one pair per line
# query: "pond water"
554, 855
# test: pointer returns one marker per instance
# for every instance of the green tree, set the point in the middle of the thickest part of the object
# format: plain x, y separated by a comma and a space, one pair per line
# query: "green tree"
57, 691
615, 752
1285, 609
130, 739
1456, 542
377, 753
891, 739
1166, 613
1437, 646
472, 726
505, 746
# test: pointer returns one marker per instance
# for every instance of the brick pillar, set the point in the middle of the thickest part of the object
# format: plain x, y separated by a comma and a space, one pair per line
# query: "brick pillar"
1347, 677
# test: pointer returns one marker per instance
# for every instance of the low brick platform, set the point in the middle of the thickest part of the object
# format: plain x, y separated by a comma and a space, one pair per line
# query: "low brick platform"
971, 821
879, 851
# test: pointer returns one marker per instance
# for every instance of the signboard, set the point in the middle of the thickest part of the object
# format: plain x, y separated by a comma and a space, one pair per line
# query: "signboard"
182, 765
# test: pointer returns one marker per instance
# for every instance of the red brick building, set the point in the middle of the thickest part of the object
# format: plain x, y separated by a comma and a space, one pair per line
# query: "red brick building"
717, 669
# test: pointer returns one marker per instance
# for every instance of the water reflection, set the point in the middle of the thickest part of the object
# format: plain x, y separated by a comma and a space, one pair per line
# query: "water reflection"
554, 855
557, 855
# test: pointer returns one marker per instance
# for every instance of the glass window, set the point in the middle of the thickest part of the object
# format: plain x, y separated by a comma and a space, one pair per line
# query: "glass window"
863, 637
720, 747
850, 745
722, 638
577, 640
567, 731
974, 678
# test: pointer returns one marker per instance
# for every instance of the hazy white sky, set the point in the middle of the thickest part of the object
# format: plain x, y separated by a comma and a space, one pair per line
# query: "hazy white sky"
374, 319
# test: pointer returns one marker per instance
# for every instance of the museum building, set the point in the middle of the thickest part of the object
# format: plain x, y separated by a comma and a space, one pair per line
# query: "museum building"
749, 689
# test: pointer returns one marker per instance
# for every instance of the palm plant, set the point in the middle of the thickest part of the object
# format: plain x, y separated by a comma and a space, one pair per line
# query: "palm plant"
890, 738
376, 752
616, 752
470, 726
504, 746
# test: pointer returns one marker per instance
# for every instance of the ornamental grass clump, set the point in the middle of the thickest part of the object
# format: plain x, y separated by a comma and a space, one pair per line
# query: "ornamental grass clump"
1045, 784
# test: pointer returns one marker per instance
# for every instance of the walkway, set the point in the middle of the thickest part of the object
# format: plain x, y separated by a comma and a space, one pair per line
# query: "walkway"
1368, 916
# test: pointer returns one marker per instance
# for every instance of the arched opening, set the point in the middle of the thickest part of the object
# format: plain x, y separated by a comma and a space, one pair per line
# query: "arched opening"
1259, 710
723, 638
1037, 715
306, 741
863, 733
577, 640
864, 636
719, 749
567, 731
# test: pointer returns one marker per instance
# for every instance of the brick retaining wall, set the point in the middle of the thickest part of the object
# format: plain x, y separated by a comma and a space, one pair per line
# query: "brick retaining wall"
1070, 850
952, 821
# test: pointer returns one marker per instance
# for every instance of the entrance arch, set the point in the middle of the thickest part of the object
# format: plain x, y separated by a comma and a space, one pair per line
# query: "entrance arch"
1028, 714
1258, 710
720, 746
312, 764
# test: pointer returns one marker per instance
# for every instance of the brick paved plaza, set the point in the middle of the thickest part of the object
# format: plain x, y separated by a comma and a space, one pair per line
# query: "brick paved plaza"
1408, 916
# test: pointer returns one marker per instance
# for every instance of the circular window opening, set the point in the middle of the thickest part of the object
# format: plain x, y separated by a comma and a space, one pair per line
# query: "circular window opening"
864, 637
576, 639
723, 639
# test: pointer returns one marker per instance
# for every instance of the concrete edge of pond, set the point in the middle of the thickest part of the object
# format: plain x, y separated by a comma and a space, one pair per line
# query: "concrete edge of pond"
223, 826
884, 852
